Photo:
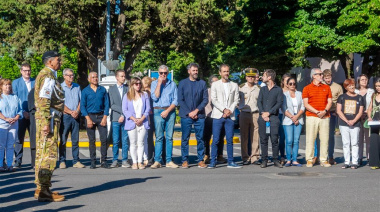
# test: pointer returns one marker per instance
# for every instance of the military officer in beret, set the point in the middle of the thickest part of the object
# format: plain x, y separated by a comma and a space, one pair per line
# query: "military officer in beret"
49, 102
249, 114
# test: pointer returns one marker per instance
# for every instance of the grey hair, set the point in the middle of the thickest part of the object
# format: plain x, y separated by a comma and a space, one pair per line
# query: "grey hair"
210, 78
192, 65
66, 70
46, 60
163, 67
312, 72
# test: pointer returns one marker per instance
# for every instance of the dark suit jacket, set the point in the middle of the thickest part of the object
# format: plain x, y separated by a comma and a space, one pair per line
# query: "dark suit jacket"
116, 102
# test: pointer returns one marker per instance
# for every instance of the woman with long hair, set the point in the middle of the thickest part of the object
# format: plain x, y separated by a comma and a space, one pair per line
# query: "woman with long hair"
373, 114
10, 113
136, 108
148, 143
281, 131
293, 109
362, 88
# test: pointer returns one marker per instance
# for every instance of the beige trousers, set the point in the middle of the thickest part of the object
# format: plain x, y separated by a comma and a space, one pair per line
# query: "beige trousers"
249, 128
315, 126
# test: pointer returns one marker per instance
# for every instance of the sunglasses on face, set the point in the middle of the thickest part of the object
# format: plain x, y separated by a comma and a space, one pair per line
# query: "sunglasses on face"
163, 73
291, 83
320, 74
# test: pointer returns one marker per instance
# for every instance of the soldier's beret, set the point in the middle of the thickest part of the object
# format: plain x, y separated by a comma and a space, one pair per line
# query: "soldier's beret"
251, 72
50, 54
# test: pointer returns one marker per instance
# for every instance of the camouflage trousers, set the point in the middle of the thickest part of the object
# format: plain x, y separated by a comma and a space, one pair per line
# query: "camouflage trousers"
46, 154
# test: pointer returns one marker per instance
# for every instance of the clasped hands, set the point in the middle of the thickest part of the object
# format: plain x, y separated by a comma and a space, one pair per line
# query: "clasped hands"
226, 113
138, 122
321, 113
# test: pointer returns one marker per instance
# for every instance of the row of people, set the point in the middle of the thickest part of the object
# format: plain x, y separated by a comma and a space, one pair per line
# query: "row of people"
138, 103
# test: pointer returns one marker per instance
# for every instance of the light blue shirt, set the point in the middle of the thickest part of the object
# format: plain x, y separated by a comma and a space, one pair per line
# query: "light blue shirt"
10, 106
72, 95
168, 94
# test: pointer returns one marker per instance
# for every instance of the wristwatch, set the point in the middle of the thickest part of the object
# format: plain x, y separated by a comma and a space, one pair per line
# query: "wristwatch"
326, 111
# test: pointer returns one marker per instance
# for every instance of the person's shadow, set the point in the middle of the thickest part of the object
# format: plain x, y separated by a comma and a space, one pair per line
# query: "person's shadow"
68, 195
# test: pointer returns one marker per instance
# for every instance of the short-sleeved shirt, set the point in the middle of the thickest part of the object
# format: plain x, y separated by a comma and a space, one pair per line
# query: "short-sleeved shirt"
317, 97
350, 107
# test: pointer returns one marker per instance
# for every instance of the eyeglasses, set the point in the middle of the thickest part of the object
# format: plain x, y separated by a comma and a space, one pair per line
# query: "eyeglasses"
292, 83
27, 70
320, 74
70, 75
163, 73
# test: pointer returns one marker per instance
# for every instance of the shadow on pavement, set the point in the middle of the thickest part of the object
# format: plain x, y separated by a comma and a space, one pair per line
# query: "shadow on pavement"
68, 195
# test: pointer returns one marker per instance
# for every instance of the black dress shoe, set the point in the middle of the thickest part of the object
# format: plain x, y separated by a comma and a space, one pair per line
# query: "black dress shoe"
93, 165
257, 163
264, 164
105, 165
277, 164
246, 162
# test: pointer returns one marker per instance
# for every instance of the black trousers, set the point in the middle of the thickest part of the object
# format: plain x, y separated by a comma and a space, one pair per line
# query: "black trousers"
32, 136
374, 151
23, 125
97, 118
207, 133
274, 126
150, 138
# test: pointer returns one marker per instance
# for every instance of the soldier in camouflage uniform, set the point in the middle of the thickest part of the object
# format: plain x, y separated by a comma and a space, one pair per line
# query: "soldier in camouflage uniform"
49, 102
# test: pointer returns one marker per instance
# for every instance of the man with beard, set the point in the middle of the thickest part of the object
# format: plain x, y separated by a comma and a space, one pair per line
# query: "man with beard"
192, 99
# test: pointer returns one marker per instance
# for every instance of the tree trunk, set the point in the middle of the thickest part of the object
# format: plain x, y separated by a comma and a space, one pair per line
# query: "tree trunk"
82, 69
120, 28
130, 58
347, 62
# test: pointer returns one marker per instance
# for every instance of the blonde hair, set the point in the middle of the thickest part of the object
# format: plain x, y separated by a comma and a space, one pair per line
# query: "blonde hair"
131, 95
3, 82
147, 80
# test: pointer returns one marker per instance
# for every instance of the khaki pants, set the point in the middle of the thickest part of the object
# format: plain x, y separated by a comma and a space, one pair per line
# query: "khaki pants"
249, 128
315, 126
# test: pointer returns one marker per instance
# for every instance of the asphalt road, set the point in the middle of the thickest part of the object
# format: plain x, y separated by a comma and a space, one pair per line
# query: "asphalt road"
221, 189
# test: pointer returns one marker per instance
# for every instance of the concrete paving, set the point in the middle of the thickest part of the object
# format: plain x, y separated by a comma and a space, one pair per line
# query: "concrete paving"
250, 188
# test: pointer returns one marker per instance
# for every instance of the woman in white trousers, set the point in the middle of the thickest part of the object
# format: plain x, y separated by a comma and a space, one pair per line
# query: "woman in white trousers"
136, 108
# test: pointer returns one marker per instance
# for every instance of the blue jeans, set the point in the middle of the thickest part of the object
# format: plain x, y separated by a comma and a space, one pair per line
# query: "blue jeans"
186, 126
292, 137
333, 119
217, 125
69, 124
7, 141
164, 125
117, 130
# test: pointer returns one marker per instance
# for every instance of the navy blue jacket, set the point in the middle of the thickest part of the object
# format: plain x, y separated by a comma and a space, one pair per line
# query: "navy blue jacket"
187, 103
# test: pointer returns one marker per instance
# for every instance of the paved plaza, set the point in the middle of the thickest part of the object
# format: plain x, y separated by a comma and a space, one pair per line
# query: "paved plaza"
250, 188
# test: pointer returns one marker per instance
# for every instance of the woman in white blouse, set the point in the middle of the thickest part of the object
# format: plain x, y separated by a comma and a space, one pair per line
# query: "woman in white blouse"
136, 108
293, 109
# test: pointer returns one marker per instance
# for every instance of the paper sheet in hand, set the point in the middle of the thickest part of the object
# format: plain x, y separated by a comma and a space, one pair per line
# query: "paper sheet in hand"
370, 123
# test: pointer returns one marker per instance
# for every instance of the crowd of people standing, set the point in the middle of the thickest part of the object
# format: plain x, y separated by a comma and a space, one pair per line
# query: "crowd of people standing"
145, 107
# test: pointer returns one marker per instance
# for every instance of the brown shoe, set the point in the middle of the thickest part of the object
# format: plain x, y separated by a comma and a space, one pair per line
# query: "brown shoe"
220, 159
37, 192
315, 160
309, 164
202, 165
332, 161
185, 165
206, 159
325, 164
46, 196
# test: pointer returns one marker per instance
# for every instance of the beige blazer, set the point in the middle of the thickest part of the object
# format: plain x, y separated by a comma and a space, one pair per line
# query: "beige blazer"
218, 99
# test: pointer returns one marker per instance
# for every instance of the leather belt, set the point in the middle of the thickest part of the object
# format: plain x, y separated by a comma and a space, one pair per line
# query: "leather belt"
96, 114
163, 108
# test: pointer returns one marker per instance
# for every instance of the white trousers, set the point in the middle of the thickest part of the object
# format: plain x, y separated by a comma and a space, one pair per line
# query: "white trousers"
136, 140
350, 136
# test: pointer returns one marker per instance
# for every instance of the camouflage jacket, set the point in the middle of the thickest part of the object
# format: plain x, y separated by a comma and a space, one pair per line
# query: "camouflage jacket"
48, 94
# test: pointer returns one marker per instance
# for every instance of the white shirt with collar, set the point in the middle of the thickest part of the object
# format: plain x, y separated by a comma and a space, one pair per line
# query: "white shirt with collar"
120, 88
28, 84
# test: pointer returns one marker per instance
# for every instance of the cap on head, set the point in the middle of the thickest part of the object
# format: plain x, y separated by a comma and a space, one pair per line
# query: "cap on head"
50, 54
251, 72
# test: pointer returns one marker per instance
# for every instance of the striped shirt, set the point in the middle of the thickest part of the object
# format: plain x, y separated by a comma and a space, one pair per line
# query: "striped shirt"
317, 97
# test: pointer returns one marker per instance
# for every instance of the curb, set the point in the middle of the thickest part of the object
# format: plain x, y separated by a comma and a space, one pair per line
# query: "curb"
192, 142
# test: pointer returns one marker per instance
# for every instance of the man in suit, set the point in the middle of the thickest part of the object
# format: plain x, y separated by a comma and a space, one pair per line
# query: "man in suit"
192, 99
116, 94
21, 88
225, 97
32, 126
